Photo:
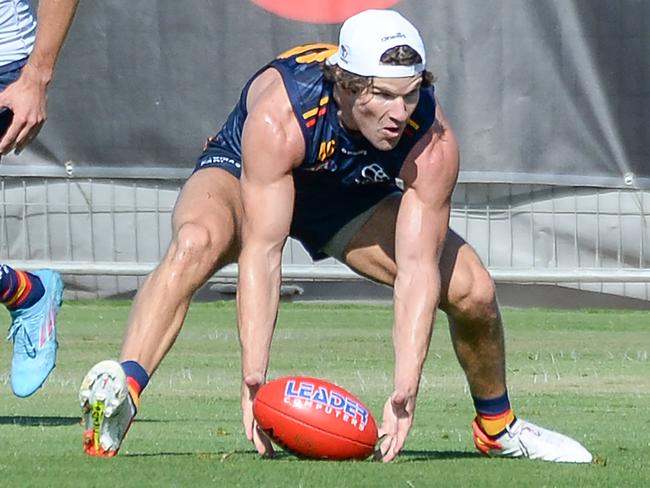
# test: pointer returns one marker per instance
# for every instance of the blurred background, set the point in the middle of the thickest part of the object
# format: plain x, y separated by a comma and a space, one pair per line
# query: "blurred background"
550, 101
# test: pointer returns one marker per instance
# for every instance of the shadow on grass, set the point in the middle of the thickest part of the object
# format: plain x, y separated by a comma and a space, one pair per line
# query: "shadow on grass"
39, 421
32, 421
411, 456
201, 455
405, 456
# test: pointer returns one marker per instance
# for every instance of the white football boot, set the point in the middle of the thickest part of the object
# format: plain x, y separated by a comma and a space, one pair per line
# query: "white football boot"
523, 439
107, 408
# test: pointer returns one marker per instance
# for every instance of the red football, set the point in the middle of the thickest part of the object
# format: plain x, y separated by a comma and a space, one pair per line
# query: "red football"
315, 419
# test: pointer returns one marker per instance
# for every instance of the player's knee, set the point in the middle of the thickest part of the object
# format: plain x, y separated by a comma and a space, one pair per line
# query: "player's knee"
474, 297
192, 242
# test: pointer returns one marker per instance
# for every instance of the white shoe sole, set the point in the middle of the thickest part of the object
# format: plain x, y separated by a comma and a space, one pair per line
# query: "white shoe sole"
103, 391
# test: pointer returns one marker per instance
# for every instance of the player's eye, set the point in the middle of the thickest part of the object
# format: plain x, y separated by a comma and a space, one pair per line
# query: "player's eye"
383, 95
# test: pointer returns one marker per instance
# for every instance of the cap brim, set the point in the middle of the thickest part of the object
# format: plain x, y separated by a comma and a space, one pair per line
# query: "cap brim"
333, 60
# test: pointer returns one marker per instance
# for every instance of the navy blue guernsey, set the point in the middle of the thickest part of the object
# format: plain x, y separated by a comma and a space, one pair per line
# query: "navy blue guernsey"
342, 174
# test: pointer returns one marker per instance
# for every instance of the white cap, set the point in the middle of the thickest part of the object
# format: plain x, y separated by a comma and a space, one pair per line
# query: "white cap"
364, 37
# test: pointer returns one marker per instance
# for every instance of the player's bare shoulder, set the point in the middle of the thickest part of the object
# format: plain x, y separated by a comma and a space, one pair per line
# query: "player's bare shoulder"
434, 161
270, 113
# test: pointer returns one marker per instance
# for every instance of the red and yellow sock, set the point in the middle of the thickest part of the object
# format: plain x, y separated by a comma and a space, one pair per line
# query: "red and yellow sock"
494, 415
19, 289
136, 379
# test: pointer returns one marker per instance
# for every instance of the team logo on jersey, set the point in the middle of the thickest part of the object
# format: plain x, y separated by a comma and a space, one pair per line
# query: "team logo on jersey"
373, 173
326, 149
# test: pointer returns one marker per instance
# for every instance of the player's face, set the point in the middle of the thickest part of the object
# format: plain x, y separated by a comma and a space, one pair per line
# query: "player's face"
381, 111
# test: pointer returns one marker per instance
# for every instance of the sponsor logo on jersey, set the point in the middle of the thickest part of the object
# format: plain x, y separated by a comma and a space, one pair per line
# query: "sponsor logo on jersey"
348, 152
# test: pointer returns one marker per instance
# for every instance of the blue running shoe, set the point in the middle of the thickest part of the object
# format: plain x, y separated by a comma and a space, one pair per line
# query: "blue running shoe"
33, 332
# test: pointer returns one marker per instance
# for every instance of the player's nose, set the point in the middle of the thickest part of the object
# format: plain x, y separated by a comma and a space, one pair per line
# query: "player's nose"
399, 110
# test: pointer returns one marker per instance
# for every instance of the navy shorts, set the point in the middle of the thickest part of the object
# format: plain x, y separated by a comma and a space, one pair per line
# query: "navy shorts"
319, 211
219, 158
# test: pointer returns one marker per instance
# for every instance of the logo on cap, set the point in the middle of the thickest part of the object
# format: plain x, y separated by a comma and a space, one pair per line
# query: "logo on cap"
399, 35
345, 51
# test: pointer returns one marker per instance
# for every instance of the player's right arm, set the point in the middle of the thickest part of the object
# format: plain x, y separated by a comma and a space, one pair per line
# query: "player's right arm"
27, 96
272, 145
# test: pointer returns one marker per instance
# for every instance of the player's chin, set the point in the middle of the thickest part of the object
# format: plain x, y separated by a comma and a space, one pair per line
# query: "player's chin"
386, 143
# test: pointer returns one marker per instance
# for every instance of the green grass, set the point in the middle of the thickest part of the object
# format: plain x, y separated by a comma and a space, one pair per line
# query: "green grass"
584, 373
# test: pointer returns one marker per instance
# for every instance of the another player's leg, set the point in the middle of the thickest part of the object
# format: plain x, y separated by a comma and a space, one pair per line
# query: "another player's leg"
468, 297
33, 300
205, 237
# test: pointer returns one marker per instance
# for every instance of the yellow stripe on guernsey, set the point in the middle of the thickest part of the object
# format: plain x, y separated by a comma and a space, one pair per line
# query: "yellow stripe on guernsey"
314, 111
305, 53
22, 284
413, 124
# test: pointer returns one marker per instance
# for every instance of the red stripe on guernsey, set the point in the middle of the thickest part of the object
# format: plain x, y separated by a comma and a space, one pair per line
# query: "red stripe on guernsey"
321, 112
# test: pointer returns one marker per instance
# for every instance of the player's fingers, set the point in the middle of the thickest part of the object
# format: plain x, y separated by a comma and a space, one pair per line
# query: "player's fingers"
384, 449
381, 437
389, 455
23, 135
247, 418
248, 426
262, 443
21, 143
9, 139
250, 432
397, 446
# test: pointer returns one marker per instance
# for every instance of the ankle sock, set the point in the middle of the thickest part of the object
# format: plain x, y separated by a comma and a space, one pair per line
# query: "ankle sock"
494, 414
136, 379
19, 289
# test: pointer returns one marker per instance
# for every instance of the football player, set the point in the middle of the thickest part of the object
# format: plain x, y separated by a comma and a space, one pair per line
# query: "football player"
28, 54
346, 149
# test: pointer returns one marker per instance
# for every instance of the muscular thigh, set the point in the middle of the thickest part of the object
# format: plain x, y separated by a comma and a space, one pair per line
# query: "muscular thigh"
371, 253
211, 200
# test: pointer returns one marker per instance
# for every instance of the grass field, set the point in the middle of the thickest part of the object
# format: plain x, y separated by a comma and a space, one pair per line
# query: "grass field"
584, 373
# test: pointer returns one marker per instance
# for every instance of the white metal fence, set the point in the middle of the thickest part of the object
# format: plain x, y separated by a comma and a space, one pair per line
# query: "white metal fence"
104, 235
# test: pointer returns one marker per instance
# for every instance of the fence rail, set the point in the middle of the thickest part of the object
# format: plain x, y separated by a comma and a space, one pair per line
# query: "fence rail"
591, 238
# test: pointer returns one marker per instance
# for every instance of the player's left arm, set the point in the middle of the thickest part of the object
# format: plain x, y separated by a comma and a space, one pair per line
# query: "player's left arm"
27, 96
429, 175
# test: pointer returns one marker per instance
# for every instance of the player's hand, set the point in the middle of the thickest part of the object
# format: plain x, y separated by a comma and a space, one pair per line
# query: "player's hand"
27, 99
249, 388
395, 427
